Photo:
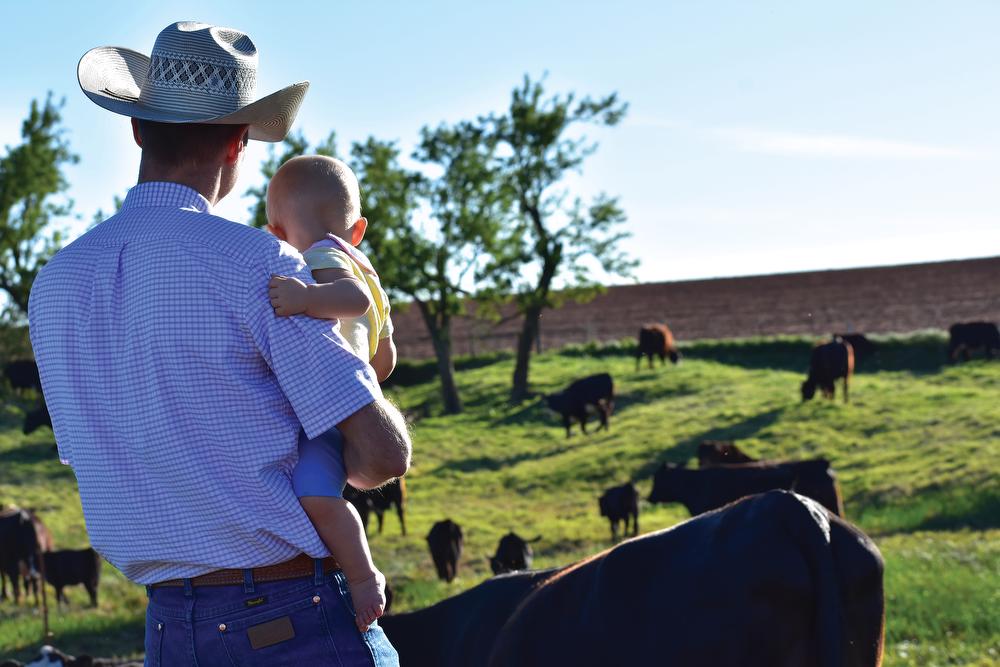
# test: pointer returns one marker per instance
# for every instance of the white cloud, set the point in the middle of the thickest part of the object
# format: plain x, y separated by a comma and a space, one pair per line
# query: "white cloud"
832, 145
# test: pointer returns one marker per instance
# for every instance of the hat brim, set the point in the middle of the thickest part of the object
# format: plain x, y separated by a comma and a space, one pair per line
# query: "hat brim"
112, 78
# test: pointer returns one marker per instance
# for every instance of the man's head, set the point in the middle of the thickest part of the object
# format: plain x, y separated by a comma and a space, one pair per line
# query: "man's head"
312, 196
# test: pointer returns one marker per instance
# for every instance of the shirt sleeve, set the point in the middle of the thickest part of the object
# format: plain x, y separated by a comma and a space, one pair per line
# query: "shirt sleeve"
321, 377
327, 258
387, 329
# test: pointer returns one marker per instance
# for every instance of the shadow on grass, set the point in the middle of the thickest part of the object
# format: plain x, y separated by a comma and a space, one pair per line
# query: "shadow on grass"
942, 509
20, 464
683, 450
490, 463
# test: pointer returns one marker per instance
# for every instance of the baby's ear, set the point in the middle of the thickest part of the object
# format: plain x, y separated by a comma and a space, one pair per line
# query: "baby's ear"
358, 231
277, 231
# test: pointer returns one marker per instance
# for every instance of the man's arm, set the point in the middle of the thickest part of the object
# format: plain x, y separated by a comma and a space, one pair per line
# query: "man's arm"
384, 360
336, 294
377, 445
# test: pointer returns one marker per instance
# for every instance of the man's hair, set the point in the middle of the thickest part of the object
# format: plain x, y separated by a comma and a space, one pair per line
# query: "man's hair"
177, 144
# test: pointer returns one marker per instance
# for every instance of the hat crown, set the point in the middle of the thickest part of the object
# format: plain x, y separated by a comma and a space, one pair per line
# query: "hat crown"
213, 68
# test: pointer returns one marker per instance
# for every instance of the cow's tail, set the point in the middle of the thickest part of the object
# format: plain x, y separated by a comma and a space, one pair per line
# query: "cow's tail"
812, 530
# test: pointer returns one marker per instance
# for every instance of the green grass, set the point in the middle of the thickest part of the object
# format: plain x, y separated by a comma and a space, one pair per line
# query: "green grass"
916, 453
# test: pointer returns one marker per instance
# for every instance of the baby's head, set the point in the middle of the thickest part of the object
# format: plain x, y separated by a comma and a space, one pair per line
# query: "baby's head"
312, 196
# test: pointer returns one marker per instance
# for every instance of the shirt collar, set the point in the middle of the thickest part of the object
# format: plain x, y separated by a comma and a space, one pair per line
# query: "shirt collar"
163, 194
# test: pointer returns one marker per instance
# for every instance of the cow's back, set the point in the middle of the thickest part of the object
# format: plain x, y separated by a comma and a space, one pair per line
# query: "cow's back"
590, 390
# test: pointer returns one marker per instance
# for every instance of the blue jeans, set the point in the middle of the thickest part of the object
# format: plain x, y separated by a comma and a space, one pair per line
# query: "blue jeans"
306, 621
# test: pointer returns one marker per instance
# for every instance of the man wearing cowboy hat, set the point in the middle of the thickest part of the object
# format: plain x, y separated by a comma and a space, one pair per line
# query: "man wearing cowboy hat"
178, 396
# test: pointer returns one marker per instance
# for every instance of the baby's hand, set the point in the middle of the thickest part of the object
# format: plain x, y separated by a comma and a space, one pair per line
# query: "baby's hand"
368, 597
288, 295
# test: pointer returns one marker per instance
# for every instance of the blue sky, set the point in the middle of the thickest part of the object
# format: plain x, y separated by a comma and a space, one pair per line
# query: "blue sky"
761, 137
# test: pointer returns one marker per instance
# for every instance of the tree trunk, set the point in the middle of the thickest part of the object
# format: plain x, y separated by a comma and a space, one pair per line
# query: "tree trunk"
440, 333
527, 338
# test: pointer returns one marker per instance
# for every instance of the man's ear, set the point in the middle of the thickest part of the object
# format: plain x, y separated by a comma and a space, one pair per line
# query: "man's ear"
278, 231
237, 145
135, 132
358, 231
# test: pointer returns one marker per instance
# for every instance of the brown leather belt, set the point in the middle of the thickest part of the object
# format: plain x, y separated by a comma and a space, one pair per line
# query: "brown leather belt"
300, 566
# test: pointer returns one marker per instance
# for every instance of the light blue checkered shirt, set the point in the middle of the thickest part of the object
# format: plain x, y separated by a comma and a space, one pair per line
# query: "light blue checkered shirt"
177, 395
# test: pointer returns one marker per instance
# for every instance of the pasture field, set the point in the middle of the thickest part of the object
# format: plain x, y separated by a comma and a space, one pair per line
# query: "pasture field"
917, 453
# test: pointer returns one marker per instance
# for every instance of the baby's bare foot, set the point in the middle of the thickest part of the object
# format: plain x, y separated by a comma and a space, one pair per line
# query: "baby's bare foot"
288, 295
368, 596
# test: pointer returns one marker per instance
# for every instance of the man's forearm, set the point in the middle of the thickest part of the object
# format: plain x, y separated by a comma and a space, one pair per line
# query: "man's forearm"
377, 445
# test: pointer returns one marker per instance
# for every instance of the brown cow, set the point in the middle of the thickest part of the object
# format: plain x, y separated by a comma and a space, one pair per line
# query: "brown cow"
828, 362
705, 489
445, 541
656, 340
769, 580
378, 501
720, 452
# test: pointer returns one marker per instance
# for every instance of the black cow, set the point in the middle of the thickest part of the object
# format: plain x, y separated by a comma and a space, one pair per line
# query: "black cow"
863, 348
706, 489
22, 374
597, 390
68, 567
19, 551
445, 541
656, 340
36, 419
720, 452
513, 553
378, 501
618, 504
828, 362
968, 336
770, 580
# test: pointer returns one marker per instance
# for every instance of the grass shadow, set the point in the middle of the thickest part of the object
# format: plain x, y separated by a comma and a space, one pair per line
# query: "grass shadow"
928, 510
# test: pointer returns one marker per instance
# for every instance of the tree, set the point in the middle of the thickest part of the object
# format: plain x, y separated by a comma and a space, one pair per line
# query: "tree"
30, 177
436, 264
294, 145
552, 239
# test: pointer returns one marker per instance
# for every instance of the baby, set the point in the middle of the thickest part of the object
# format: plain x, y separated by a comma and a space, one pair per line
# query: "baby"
313, 203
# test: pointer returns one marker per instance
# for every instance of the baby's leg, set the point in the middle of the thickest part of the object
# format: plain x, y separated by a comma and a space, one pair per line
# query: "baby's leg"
339, 526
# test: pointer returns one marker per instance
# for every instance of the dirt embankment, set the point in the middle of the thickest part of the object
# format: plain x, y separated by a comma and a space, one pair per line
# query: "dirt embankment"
872, 300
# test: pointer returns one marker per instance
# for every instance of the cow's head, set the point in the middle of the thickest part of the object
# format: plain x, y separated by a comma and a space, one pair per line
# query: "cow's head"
675, 356
808, 390
668, 483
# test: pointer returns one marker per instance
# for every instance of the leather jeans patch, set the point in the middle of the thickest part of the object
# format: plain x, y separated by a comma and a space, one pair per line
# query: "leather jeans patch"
270, 633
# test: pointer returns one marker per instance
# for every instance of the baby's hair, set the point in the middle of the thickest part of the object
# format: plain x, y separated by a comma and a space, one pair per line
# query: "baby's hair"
321, 181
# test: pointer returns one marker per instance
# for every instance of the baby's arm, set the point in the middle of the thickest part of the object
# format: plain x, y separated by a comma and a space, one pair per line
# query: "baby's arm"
336, 294
384, 361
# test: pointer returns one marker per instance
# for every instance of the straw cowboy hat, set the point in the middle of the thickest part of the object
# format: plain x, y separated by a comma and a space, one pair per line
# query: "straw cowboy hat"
197, 73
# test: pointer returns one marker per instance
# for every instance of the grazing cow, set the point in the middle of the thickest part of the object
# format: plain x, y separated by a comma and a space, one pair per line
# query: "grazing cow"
770, 580
445, 541
68, 567
828, 362
618, 504
36, 419
513, 553
22, 374
706, 489
19, 552
720, 452
973, 335
863, 348
656, 340
597, 390
378, 501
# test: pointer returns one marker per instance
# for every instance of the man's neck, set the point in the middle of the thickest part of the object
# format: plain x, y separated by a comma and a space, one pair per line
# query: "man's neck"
207, 182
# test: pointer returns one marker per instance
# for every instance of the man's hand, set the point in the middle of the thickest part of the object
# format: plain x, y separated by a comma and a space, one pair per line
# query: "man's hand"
289, 296
377, 445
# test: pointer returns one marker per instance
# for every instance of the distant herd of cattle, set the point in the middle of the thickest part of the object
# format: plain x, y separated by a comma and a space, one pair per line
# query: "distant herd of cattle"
824, 602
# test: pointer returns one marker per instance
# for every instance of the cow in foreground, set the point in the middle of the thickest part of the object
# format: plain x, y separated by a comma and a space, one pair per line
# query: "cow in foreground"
513, 553
829, 361
68, 567
706, 489
379, 501
656, 340
720, 452
964, 337
770, 580
596, 390
618, 504
445, 541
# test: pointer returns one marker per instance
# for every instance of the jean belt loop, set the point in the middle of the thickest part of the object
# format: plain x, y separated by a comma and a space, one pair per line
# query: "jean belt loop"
149, 592
248, 580
188, 588
318, 571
